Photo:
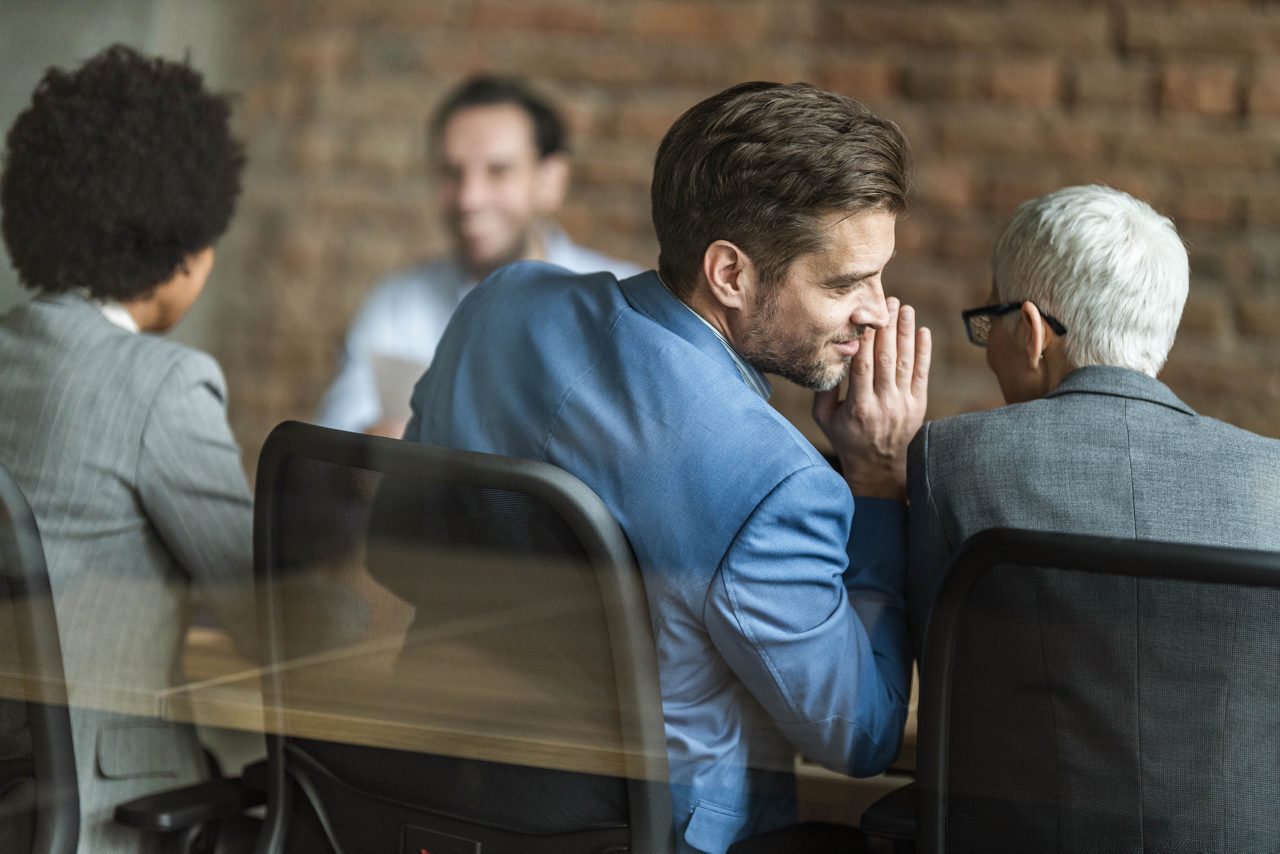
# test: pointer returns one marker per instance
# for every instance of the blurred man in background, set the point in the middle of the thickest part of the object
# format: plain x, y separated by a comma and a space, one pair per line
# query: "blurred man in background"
502, 159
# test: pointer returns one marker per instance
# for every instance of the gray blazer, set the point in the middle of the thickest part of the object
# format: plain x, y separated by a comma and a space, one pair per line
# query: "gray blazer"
121, 444
1110, 452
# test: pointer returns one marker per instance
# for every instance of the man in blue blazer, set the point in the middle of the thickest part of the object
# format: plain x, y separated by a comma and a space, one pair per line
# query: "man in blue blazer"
778, 610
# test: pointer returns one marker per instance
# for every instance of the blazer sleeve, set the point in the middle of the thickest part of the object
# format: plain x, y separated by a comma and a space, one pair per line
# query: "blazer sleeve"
193, 490
834, 680
929, 549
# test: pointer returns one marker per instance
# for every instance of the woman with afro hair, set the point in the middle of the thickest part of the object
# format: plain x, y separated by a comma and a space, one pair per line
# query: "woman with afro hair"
118, 179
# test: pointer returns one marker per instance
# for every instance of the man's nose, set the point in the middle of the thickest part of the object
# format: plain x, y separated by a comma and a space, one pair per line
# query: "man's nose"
876, 313
473, 190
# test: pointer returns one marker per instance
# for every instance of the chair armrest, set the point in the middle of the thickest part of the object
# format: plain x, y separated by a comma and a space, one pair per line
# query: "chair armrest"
256, 775
15, 771
180, 809
893, 816
810, 837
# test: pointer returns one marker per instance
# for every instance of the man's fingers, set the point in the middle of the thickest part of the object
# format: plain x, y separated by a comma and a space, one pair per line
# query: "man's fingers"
862, 367
924, 352
906, 346
887, 350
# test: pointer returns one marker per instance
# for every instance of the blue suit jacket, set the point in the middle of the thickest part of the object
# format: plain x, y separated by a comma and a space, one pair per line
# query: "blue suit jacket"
769, 638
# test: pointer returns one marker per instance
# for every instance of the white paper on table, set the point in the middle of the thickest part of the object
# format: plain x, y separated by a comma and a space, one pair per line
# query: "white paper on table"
395, 378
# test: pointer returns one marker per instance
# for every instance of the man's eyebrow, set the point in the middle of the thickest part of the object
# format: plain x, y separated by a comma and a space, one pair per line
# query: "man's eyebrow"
854, 278
841, 280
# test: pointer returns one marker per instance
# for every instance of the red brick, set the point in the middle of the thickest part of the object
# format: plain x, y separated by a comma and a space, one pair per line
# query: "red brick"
1071, 141
969, 242
326, 54
732, 22
391, 14
972, 131
1197, 150
1005, 192
1002, 101
1263, 97
1030, 26
863, 78
1224, 32
649, 117
1110, 84
526, 15
946, 185
315, 151
1259, 316
1206, 207
949, 79
1139, 184
389, 152
1025, 82
1207, 314
1211, 90
1262, 207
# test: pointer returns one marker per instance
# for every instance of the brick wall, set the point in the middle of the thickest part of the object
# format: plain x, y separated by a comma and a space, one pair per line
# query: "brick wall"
1177, 102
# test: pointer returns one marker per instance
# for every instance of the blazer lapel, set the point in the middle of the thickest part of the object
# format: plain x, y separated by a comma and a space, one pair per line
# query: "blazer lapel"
648, 295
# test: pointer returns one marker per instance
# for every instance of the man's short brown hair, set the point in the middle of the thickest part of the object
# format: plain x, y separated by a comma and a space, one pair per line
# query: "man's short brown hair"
759, 165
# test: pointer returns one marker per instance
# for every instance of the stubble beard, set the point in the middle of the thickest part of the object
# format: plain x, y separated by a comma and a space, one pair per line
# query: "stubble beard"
517, 250
797, 361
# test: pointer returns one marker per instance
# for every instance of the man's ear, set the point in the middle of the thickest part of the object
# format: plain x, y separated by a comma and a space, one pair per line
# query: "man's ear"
553, 182
729, 273
1032, 334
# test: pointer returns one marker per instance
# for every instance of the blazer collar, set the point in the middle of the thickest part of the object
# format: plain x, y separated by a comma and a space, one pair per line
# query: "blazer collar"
1119, 382
648, 295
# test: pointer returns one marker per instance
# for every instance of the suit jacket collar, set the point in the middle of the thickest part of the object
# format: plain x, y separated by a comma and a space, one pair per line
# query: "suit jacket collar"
648, 295
1119, 382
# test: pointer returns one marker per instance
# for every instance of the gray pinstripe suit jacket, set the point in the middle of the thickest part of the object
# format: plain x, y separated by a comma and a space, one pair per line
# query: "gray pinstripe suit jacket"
121, 444
1112, 452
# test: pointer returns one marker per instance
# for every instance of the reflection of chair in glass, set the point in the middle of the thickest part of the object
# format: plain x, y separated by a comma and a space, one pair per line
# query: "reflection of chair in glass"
39, 795
503, 696
1095, 694
39, 805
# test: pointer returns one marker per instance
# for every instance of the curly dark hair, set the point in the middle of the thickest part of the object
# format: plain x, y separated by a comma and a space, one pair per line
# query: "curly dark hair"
115, 174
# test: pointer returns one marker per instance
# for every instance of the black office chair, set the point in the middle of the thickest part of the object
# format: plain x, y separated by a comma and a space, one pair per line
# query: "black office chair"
489, 585
1097, 694
39, 801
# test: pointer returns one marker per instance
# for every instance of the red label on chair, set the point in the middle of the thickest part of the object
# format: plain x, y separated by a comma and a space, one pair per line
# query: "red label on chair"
419, 840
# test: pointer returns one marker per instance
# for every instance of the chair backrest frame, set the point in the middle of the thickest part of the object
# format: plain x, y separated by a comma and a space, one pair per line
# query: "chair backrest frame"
1140, 559
57, 802
601, 537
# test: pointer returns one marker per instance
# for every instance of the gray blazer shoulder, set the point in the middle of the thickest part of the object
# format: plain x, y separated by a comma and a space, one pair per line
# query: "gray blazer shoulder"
121, 444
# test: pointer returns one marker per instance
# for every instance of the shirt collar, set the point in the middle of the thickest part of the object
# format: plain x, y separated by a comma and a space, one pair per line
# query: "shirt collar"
113, 311
753, 378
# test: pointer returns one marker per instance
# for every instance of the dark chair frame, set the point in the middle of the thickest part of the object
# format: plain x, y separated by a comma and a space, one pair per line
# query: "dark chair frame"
57, 799
606, 547
1079, 553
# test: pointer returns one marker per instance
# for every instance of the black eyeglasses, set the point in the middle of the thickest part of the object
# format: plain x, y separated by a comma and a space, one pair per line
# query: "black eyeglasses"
977, 321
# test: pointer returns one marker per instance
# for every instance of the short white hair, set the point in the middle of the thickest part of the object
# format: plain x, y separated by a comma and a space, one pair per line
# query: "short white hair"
1105, 264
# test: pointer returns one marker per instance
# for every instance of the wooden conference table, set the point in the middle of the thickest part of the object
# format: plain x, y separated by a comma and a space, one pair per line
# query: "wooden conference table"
452, 696
226, 691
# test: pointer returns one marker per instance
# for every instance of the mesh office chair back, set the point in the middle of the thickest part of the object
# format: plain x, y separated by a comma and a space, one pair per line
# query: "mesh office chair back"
1096, 694
461, 650
39, 802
